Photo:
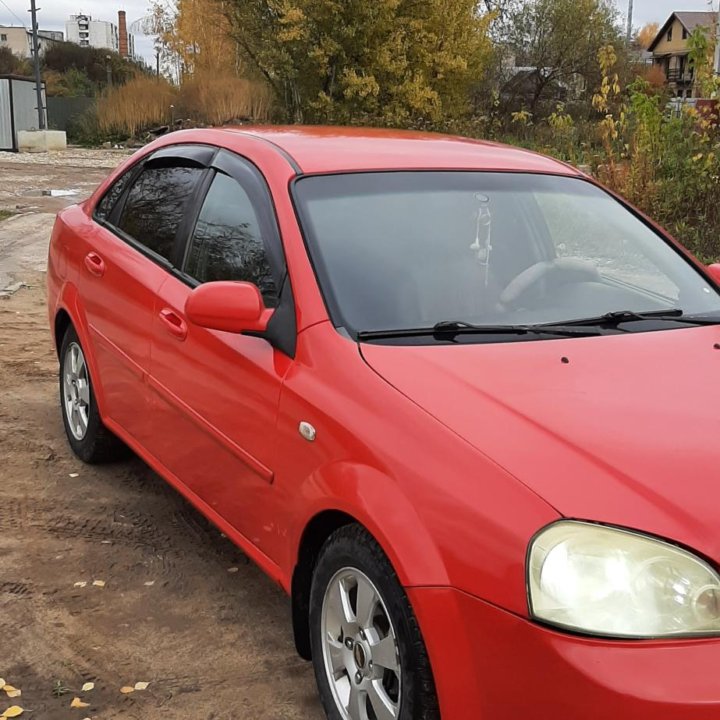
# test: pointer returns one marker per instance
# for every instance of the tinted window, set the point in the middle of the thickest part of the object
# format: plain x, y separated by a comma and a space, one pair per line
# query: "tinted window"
155, 205
105, 206
227, 243
408, 250
589, 229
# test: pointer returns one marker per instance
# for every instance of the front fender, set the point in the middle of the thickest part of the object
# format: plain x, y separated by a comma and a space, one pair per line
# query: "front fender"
374, 500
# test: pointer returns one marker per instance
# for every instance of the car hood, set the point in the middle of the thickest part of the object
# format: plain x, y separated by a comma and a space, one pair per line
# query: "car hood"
621, 429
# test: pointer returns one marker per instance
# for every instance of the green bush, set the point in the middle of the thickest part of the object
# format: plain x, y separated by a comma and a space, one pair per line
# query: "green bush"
667, 164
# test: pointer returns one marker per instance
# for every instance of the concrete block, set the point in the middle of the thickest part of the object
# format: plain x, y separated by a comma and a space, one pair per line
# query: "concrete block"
41, 140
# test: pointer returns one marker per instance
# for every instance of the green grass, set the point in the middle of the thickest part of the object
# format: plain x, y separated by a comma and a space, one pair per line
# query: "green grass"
5, 214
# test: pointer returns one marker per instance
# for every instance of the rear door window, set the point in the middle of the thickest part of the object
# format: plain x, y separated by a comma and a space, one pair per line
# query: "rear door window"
156, 204
104, 208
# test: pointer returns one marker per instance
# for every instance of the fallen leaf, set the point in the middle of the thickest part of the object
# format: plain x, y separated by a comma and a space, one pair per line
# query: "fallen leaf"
99, 583
149, 583
141, 685
88, 686
78, 703
74, 475
12, 692
232, 570
2, 682
12, 711
82, 583
125, 690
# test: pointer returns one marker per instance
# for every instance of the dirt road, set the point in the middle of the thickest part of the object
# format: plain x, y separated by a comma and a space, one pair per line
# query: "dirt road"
174, 604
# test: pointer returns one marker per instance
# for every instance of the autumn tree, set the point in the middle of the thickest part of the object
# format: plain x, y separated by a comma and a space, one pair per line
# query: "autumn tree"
647, 34
396, 62
559, 41
196, 35
701, 46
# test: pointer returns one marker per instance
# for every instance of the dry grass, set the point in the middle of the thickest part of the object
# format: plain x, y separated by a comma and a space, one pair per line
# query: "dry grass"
205, 98
140, 103
218, 99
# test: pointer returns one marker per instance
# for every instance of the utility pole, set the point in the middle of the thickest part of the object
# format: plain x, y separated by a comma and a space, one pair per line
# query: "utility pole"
36, 53
630, 20
717, 45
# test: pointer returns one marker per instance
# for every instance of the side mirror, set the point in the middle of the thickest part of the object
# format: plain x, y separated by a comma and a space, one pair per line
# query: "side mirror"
714, 272
234, 307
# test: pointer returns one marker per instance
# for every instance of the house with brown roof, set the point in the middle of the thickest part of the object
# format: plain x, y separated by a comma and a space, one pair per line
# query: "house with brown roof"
670, 48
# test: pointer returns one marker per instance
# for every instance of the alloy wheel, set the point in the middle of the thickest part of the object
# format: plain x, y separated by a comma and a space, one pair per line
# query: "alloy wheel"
360, 649
76, 391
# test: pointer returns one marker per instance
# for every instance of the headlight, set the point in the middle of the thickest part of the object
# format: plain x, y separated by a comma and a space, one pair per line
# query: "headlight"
612, 582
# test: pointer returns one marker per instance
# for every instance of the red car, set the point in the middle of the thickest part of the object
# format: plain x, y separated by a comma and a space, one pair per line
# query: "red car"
459, 401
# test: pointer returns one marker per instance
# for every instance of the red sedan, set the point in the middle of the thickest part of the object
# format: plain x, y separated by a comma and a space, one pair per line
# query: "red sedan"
455, 398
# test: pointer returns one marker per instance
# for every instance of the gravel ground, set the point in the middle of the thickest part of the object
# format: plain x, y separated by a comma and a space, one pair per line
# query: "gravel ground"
72, 157
107, 576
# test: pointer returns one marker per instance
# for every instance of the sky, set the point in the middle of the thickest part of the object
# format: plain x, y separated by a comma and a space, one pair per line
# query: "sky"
53, 13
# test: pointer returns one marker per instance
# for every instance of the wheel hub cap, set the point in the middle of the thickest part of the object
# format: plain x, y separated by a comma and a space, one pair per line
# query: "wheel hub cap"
359, 656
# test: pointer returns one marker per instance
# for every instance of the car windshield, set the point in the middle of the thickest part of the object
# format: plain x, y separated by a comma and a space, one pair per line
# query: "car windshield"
403, 250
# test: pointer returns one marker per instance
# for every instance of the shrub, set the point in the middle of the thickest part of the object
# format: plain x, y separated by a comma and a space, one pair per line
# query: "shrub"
665, 163
61, 57
73, 83
85, 130
11, 64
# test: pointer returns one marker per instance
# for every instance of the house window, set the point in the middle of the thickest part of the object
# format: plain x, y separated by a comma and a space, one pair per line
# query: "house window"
3, 38
669, 35
686, 34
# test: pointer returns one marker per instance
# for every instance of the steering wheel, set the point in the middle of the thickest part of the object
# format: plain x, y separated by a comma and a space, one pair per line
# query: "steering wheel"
560, 270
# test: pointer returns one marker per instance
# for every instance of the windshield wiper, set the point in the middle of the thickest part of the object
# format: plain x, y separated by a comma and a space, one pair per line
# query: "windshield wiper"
583, 327
457, 327
613, 319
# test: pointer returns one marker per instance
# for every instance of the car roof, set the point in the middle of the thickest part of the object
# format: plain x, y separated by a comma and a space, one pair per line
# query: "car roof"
338, 149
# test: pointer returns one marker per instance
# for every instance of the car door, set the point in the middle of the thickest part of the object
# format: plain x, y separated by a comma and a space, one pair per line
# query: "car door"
122, 263
215, 394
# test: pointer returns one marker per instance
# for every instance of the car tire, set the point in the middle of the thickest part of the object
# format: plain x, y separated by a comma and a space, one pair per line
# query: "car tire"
89, 439
366, 645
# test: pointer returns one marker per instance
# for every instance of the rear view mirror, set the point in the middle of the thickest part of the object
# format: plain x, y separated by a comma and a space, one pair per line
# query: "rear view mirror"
714, 272
229, 306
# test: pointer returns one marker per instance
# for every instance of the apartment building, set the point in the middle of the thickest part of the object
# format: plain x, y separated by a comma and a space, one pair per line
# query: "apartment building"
86, 32
19, 39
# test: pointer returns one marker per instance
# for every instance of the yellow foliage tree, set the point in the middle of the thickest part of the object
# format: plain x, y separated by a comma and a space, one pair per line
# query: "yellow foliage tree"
647, 34
393, 62
197, 33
